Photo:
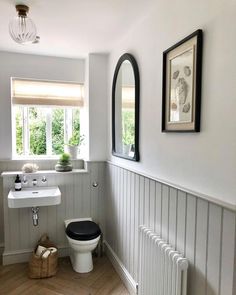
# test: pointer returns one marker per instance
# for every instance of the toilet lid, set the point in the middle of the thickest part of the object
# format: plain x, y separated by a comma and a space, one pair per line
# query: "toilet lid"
83, 230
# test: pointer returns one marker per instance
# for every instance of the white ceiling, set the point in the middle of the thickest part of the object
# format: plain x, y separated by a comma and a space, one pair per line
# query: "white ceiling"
73, 28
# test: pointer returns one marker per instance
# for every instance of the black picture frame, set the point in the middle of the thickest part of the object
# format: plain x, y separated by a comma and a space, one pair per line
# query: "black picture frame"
194, 105
131, 59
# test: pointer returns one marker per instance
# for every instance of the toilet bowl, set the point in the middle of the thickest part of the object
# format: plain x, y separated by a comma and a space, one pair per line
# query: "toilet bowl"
83, 236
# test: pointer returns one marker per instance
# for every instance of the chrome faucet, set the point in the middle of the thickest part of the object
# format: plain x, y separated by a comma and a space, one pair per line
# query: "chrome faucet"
34, 181
44, 179
24, 181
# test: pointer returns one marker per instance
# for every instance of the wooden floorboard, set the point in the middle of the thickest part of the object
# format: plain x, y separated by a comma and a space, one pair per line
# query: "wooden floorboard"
103, 280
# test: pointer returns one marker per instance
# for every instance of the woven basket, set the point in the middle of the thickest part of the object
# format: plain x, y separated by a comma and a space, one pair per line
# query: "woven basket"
40, 267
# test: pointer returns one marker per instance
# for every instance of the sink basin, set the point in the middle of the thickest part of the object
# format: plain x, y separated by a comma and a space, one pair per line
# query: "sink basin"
34, 196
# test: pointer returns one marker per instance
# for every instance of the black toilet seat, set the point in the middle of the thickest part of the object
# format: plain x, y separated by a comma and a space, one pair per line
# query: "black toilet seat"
83, 230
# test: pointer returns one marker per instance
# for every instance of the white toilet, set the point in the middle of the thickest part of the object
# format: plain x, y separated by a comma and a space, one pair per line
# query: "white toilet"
83, 236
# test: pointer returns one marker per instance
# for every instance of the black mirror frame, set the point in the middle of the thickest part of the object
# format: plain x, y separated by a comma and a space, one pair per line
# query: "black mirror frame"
134, 64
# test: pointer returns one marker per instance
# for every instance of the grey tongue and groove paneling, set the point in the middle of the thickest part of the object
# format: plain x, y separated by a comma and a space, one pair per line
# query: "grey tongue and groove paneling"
203, 231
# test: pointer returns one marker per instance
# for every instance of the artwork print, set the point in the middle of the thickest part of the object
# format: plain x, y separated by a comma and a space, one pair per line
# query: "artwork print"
181, 90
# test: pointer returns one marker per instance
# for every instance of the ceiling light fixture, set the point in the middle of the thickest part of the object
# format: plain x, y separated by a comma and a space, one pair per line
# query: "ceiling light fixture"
22, 29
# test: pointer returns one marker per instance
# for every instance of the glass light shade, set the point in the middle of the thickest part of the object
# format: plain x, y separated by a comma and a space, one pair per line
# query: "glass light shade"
22, 30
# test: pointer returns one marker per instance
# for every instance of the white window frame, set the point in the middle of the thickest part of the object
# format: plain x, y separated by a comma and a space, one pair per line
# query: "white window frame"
68, 130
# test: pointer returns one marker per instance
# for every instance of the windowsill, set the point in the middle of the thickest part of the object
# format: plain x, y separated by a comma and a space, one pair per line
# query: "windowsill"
44, 172
39, 158
18, 158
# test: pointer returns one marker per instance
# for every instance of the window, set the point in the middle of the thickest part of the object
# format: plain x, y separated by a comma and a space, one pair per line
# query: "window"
44, 116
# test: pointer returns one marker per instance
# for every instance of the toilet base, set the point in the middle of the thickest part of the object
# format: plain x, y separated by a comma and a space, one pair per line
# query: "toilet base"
81, 262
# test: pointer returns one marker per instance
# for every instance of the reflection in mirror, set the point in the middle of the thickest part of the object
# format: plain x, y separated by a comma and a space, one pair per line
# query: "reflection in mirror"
125, 109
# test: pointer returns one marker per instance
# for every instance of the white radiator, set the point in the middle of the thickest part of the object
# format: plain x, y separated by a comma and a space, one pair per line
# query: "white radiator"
162, 270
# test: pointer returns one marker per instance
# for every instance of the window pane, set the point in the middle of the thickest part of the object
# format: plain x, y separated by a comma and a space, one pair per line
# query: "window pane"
76, 123
37, 129
19, 129
57, 131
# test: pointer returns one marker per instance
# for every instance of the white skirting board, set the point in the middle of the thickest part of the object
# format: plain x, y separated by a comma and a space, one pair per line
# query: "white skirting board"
129, 282
12, 257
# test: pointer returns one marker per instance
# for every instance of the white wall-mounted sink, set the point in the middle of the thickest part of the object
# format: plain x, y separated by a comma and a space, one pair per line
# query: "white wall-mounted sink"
34, 197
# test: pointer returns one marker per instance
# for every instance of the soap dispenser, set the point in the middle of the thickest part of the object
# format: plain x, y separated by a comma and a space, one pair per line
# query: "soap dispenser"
17, 183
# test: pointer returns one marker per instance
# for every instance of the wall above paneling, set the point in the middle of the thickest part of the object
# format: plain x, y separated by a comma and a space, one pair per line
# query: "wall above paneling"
204, 162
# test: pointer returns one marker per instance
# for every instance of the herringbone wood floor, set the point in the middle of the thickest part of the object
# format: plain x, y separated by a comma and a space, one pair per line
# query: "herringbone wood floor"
103, 280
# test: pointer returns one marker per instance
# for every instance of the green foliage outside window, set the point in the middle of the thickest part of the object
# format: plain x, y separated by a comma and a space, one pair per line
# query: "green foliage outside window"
37, 127
19, 131
57, 131
128, 127
76, 138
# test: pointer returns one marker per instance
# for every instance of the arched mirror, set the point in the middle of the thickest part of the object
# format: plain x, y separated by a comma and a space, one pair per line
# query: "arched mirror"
125, 109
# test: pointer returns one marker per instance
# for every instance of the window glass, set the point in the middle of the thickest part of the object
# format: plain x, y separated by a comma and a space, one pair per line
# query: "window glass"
57, 131
37, 130
19, 129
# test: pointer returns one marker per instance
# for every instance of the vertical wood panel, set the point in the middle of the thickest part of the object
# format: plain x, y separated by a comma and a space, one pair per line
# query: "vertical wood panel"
141, 200
137, 223
111, 208
7, 240
108, 211
132, 223
122, 198
24, 217
101, 196
15, 229
128, 221
118, 210
228, 252
214, 249
125, 218
114, 208
152, 204
191, 239
146, 201
201, 248
165, 212
61, 212
158, 212
94, 192
181, 225
173, 217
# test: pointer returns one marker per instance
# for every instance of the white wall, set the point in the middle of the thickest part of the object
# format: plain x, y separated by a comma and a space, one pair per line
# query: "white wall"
204, 162
97, 93
30, 66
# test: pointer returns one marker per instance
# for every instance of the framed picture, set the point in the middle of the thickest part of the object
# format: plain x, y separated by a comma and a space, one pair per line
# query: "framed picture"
181, 93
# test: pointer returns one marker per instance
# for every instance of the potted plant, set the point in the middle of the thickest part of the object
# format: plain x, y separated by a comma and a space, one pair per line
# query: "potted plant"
74, 144
128, 141
64, 163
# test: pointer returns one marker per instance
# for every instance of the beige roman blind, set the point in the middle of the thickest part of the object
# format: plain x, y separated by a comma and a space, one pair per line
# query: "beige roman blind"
128, 97
50, 93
